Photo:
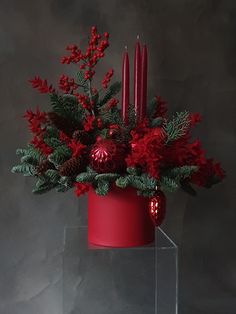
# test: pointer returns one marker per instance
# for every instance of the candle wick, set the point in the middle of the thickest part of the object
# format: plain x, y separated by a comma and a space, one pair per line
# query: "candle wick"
138, 37
126, 47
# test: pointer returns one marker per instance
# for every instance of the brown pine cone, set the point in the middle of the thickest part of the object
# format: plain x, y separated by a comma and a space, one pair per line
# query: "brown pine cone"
62, 123
43, 166
71, 167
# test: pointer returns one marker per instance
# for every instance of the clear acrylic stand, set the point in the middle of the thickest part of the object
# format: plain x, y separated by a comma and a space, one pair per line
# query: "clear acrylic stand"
103, 280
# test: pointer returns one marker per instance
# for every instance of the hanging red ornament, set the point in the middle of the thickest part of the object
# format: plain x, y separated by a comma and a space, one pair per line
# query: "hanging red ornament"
107, 156
157, 208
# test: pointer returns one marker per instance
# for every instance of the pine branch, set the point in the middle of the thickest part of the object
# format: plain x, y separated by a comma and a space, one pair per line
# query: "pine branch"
52, 175
168, 185
107, 176
67, 106
151, 108
122, 182
30, 151
111, 92
22, 151
143, 182
64, 184
46, 182
111, 116
60, 155
187, 187
149, 182
81, 81
131, 116
180, 173
157, 122
25, 169
132, 170
29, 160
52, 142
51, 131
43, 186
177, 127
146, 193
30, 155
86, 177
102, 187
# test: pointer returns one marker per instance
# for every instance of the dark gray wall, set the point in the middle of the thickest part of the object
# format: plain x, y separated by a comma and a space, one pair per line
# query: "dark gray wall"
192, 48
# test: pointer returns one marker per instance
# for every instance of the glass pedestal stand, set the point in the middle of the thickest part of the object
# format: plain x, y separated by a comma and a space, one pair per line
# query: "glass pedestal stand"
102, 280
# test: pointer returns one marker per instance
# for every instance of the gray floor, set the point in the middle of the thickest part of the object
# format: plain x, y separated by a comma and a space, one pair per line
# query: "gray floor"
192, 64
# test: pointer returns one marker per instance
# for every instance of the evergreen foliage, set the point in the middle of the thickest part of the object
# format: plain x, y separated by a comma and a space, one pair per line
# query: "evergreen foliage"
67, 106
65, 138
107, 176
157, 122
81, 81
187, 187
180, 173
43, 186
64, 184
111, 92
131, 117
111, 116
177, 127
86, 177
26, 169
59, 155
168, 184
102, 187
141, 182
53, 142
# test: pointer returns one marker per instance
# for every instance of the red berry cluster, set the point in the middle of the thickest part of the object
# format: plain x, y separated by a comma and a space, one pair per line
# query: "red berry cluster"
36, 121
41, 85
67, 84
88, 123
36, 124
63, 137
38, 142
93, 53
81, 188
76, 148
75, 55
84, 101
107, 78
111, 103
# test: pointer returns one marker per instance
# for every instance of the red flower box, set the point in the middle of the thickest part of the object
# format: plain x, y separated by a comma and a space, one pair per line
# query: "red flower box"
119, 219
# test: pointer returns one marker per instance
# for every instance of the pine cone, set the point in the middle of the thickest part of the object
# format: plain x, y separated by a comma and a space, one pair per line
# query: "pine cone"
62, 123
71, 167
82, 136
43, 166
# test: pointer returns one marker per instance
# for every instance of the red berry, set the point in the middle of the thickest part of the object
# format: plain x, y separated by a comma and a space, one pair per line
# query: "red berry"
93, 29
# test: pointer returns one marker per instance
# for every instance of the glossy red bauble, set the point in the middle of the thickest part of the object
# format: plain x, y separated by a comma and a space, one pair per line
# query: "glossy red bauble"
157, 208
107, 156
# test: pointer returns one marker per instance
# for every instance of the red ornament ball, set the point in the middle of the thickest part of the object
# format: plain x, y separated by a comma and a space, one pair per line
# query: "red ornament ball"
157, 208
107, 156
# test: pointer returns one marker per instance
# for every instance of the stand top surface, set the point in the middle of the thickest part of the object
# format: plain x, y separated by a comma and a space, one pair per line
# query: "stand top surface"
78, 235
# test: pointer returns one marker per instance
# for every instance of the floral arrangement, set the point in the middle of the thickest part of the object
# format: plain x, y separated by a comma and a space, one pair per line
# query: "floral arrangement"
84, 142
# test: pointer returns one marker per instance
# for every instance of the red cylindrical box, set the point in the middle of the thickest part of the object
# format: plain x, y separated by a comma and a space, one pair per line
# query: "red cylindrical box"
119, 219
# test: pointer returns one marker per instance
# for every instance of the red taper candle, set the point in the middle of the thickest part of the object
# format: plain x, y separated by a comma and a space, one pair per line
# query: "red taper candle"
144, 65
125, 87
137, 79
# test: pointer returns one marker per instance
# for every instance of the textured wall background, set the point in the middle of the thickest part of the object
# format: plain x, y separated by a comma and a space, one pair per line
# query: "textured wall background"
192, 49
